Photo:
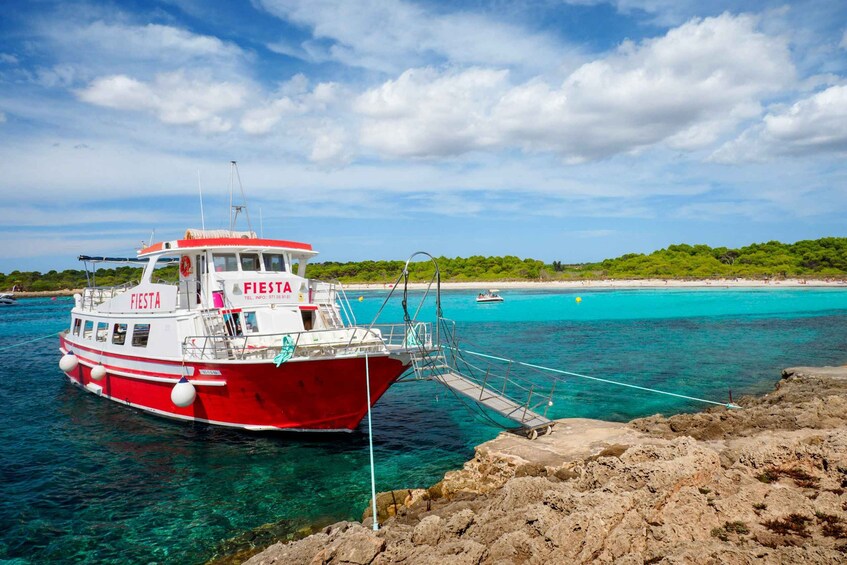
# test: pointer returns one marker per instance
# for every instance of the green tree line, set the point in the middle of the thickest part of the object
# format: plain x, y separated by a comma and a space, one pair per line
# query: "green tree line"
825, 257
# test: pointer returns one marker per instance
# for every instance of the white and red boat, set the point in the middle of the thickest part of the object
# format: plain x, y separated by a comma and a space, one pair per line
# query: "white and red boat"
241, 340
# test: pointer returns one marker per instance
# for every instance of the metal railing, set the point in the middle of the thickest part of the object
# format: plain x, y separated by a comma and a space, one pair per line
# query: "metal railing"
496, 377
347, 342
96, 295
331, 293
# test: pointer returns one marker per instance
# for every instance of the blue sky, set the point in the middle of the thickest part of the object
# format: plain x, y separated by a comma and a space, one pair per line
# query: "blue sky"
569, 130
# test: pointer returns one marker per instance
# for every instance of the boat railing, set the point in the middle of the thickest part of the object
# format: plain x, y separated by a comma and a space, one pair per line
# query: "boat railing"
307, 344
95, 295
417, 334
330, 293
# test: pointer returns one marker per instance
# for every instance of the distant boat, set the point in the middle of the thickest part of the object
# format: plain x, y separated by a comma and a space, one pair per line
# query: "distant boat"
490, 296
7, 299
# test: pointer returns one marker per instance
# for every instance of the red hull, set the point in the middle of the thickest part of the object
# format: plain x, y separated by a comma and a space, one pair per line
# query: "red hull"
325, 394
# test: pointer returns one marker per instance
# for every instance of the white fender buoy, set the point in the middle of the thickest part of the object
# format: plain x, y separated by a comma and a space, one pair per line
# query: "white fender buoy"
68, 362
183, 393
532, 434
98, 372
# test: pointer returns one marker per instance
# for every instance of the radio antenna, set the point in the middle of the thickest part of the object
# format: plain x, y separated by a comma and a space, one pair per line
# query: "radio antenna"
235, 209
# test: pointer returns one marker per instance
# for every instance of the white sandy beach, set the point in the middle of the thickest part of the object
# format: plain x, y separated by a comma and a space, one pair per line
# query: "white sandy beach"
620, 283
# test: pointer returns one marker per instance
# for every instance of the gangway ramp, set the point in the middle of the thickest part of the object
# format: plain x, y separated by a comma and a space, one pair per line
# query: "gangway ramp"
506, 407
488, 390
436, 356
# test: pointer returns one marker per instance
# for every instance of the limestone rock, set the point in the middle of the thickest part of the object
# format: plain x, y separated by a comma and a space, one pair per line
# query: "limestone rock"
766, 484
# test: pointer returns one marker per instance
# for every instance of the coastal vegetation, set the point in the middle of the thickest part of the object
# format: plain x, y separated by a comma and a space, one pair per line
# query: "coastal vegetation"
818, 258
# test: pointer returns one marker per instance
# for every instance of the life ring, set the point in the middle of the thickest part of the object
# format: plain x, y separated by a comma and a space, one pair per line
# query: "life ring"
185, 266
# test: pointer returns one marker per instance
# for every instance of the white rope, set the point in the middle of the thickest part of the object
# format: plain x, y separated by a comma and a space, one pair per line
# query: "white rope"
54, 334
371, 442
724, 404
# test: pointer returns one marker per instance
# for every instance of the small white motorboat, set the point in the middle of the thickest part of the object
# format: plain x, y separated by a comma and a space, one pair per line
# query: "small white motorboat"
7, 299
490, 296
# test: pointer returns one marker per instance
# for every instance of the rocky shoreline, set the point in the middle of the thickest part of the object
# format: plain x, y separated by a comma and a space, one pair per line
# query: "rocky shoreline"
764, 484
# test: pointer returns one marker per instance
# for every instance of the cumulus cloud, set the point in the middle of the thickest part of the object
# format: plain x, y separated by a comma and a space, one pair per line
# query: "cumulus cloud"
425, 113
814, 125
331, 145
293, 99
173, 98
684, 89
151, 42
392, 35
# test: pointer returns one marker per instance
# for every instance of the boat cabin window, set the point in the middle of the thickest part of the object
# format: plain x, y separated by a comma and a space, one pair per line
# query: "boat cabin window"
232, 322
88, 329
250, 325
140, 335
274, 262
249, 261
225, 262
119, 334
102, 331
77, 326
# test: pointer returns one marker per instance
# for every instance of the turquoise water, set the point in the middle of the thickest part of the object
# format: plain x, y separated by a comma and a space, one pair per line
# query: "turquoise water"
83, 479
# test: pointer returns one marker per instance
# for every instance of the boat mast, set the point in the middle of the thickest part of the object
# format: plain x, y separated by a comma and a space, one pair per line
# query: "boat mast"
235, 209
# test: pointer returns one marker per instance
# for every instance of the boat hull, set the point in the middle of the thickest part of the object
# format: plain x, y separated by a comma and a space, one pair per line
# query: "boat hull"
309, 395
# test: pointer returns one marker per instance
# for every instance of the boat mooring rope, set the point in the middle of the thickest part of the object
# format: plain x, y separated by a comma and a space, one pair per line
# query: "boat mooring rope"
561, 372
28, 341
371, 442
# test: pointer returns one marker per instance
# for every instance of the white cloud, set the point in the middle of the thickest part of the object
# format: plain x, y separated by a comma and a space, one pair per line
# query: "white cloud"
295, 99
814, 125
173, 98
393, 35
8, 59
425, 113
2, 118
331, 145
589, 234
685, 89
157, 43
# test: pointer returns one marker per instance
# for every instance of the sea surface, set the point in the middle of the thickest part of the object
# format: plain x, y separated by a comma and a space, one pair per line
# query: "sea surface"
83, 479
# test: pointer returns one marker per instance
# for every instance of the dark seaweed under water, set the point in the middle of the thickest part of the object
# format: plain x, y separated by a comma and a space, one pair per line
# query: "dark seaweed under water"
86, 480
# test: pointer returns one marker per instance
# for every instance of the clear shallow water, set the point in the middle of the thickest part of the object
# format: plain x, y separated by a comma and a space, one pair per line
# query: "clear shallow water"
83, 479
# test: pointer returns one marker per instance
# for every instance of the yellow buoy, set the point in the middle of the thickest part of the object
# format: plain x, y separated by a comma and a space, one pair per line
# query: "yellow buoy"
578, 299
361, 298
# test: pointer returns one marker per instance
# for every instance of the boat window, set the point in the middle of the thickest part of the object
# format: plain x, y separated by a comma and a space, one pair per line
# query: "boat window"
88, 329
249, 261
225, 262
77, 326
274, 262
119, 334
250, 325
232, 322
140, 334
102, 331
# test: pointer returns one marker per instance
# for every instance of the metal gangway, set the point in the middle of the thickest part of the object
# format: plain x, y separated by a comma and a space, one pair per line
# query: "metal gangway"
485, 380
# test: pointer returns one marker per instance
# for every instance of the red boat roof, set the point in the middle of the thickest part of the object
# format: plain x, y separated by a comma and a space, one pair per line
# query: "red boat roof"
225, 242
